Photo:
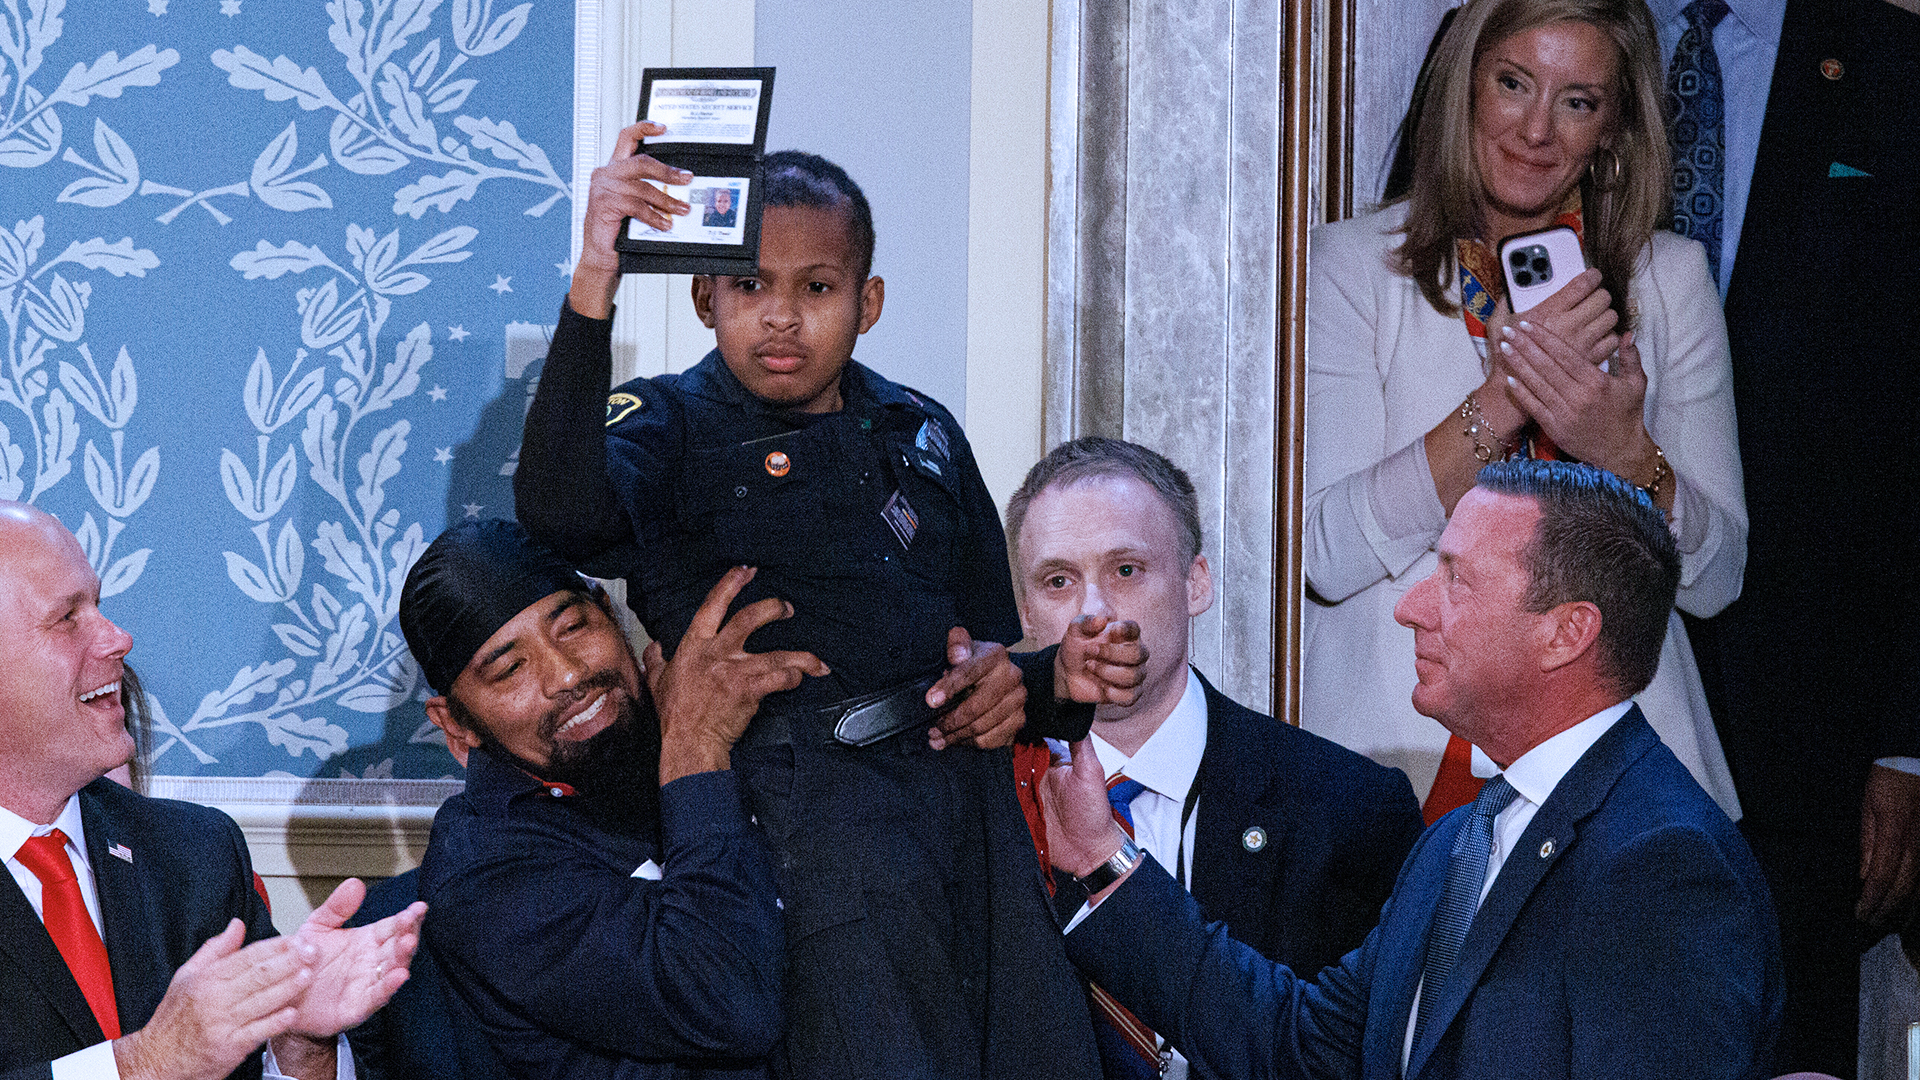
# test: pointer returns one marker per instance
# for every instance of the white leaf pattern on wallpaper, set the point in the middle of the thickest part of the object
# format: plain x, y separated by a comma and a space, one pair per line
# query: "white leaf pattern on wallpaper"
42, 314
386, 121
293, 482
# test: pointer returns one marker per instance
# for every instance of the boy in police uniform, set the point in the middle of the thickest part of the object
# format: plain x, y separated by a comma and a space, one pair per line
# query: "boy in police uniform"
919, 941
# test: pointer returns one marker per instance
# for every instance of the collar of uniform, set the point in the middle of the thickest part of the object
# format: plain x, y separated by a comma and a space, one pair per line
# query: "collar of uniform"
1538, 771
860, 387
14, 829
494, 781
1170, 758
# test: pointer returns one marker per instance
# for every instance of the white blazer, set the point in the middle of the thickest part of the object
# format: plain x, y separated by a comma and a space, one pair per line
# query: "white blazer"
1383, 367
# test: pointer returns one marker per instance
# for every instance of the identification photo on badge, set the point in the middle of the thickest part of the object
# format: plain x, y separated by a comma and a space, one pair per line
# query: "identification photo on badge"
716, 216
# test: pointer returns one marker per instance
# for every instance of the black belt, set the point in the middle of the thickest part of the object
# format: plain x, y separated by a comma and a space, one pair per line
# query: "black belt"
856, 721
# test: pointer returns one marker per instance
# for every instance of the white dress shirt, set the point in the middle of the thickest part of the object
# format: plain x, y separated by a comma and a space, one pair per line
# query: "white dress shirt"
96, 1062
1533, 776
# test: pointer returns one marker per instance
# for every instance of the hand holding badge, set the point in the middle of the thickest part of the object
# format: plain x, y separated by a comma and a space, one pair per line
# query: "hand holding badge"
716, 121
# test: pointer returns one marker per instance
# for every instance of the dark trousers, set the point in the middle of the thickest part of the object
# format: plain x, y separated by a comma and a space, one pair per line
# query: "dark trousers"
920, 945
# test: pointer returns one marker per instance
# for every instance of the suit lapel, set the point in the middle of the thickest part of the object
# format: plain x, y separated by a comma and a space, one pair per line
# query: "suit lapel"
1403, 943
1235, 795
27, 947
139, 969
1574, 799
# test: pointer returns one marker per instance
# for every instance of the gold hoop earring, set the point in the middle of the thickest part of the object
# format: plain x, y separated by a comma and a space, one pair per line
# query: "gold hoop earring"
1611, 178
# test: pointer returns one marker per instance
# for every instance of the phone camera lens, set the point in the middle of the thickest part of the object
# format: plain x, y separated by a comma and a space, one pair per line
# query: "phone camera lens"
1522, 278
1518, 259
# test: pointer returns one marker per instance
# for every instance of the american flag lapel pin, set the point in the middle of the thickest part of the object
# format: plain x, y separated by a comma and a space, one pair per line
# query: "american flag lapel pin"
121, 851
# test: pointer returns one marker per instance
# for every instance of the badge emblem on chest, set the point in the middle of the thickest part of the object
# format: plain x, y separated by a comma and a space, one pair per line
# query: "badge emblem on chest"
901, 519
933, 438
778, 464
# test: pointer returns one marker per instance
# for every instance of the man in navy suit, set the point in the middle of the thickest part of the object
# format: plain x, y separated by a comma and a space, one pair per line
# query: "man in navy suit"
125, 924
1291, 840
1593, 915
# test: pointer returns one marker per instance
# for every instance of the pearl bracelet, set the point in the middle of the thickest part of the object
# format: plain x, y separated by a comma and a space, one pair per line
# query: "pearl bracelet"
1662, 472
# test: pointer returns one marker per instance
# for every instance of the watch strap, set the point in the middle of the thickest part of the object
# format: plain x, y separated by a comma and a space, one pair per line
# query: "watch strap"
1116, 867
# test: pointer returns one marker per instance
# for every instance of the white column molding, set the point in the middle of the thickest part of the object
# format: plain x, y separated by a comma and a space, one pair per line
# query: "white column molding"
306, 836
1007, 241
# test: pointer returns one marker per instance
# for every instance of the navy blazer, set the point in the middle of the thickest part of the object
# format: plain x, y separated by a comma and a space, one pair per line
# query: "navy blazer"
1334, 829
1812, 673
1628, 935
188, 876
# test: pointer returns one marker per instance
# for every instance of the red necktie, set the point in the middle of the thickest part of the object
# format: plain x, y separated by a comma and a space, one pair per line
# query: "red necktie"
64, 912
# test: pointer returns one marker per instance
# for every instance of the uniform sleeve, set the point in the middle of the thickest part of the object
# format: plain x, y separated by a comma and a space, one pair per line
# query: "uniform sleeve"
610, 971
1371, 509
982, 571
561, 488
1692, 420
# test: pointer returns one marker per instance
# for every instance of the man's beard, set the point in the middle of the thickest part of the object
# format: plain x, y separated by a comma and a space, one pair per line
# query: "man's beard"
615, 773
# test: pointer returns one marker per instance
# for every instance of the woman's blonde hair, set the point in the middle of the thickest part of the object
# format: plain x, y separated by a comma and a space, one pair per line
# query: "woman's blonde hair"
1626, 189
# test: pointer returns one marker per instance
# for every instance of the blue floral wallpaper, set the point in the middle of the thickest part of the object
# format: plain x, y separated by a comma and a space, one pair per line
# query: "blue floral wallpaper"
275, 275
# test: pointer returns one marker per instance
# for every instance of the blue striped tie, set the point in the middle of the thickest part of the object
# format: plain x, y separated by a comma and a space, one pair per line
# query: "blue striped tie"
1460, 898
1696, 107
1121, 791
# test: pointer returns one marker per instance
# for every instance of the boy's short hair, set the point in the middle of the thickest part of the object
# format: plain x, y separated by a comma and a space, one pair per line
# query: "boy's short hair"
797, 178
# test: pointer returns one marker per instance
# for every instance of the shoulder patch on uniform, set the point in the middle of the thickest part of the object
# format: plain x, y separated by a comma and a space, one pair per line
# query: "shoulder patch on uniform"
622, 405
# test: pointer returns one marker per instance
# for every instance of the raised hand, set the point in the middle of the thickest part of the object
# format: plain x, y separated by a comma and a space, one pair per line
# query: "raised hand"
619, 191
712, 687
1589, 413
222, 1004
1081, 833
357, 969
1100, 661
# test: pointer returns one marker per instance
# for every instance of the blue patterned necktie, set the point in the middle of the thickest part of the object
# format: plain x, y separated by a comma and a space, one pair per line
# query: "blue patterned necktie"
1129, 1050
1696, 105
1460, 898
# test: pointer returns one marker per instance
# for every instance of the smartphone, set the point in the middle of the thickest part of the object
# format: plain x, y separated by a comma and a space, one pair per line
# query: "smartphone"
1537, 264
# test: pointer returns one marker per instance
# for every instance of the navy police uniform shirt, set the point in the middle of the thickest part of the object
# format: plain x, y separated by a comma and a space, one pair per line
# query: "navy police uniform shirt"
872, 521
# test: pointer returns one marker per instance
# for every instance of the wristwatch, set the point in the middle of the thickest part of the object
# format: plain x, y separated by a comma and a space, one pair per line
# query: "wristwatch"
1113, 869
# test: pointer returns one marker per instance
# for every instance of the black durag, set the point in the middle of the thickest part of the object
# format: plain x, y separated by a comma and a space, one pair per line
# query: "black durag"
468, 584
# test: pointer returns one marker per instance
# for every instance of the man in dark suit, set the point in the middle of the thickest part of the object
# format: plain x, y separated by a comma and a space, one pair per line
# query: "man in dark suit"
124, 931
1812, 674
1289, 839
602, 906
1592, 914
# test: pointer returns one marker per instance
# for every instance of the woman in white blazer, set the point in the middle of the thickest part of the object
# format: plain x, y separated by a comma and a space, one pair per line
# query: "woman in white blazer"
1536, 113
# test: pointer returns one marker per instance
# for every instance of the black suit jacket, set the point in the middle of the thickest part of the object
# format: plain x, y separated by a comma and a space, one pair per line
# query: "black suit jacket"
1815, 671
1336, 828
189, 875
